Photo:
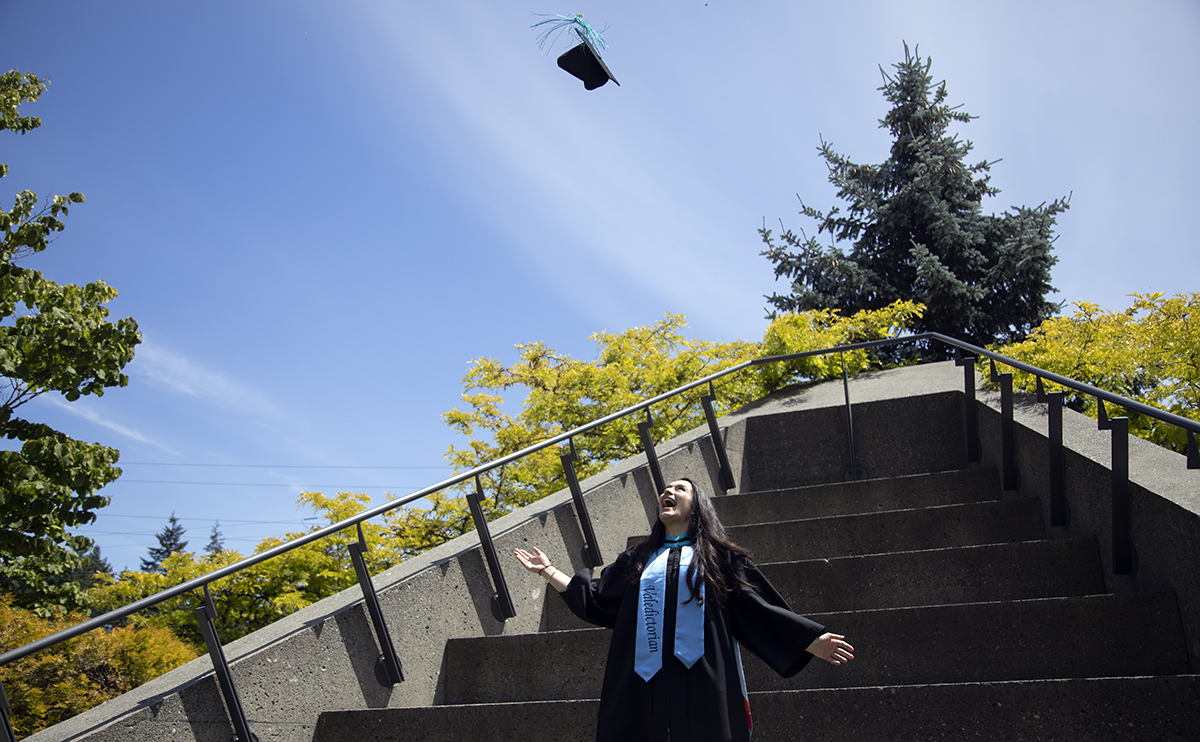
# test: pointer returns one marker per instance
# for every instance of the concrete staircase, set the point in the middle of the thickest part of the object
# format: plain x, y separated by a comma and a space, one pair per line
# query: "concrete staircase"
971, 618
968, 624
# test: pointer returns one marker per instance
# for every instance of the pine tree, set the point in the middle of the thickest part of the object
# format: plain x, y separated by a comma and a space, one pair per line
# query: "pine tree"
216, 540
917, 231
86, 575
170, 540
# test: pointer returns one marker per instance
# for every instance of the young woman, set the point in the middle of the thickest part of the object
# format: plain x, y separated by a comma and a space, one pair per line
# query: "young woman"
680, 604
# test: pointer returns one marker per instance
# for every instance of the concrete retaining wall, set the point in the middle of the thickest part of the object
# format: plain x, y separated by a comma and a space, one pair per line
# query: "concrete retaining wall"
1166, 500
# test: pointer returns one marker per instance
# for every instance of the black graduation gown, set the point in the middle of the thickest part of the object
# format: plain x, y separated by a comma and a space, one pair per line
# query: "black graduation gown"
701, 704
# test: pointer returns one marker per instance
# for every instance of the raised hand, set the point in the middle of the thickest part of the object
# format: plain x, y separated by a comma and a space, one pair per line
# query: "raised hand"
535, 562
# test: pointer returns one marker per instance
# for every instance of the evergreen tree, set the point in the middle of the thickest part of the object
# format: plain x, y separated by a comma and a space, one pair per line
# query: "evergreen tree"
917, 232
87, 574
170, 540
216, 540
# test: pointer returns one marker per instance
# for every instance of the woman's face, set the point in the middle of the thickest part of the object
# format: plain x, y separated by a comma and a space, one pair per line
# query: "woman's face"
675, 507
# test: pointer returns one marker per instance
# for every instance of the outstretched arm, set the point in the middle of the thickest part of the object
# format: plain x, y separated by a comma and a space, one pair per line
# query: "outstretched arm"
832, 648
539, 563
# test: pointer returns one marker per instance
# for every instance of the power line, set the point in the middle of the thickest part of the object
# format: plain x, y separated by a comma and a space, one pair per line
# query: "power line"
275, 466
230, 522
89, 534
276, 484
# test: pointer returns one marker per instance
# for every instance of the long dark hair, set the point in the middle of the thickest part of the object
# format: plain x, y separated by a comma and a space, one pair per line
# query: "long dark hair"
713, 553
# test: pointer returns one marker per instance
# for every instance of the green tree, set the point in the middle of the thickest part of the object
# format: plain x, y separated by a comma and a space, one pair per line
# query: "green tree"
170, 541
91, 566
563, 392
216, 540
59, 682
916, 230
1149, 352
53, 339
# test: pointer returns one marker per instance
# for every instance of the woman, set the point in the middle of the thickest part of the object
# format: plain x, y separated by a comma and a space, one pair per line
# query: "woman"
679, 605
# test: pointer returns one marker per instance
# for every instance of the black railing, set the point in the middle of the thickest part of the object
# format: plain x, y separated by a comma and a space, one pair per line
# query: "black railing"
389, 666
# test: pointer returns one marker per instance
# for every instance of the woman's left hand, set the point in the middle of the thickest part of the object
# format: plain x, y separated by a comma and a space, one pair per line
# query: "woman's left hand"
833, 648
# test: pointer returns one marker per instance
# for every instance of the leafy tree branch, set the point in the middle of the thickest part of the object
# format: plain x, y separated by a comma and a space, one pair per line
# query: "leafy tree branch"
53, 339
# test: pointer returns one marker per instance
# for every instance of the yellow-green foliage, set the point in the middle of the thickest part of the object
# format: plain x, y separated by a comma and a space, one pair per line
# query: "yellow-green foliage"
57, 683
561, 393
825, 328
257, 596
1149, 352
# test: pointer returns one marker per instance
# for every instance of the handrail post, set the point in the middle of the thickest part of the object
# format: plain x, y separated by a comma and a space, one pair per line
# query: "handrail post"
1008, 448
854, 470
651, 457
725, 476
9, 734
1123, 555
502, 604
387, 667
970, 414
205, 615
1193, 452
591, 546
1059, 508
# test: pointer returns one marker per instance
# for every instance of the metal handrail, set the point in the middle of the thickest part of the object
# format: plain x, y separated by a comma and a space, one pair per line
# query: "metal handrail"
1140, 407
1191, 426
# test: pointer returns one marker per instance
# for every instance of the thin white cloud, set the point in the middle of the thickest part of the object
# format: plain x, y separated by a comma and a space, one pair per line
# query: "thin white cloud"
83, 409
178, 374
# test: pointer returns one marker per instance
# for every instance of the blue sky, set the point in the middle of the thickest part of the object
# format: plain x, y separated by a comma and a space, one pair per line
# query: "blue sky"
319, 213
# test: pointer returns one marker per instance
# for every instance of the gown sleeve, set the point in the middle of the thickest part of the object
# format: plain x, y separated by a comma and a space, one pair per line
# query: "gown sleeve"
763, 623
599, 604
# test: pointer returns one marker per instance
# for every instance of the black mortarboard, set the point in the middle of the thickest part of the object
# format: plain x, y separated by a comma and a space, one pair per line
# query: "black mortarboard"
584, 62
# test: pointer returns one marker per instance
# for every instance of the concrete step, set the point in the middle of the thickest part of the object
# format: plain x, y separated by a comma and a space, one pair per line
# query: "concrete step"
984, 522
1073, 637
895, 530
1125, 709
872, 495
892, 439
1084, 636
552, 721
1149, 708
967, 574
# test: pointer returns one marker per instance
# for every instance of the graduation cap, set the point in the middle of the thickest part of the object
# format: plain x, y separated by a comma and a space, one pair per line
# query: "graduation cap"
583, 61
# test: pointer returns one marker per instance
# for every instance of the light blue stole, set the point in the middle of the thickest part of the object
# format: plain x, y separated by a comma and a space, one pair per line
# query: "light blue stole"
689, 616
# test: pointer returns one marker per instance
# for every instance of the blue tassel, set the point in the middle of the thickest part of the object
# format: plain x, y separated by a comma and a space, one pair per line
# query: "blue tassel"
559, 23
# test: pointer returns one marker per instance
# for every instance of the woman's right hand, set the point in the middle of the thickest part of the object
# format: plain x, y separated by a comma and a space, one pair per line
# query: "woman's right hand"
535, 562
539, 564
